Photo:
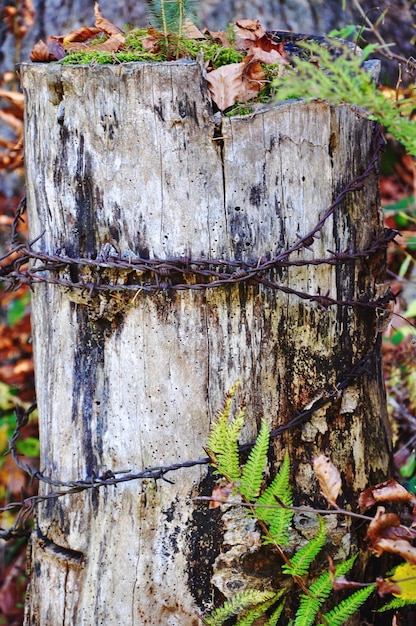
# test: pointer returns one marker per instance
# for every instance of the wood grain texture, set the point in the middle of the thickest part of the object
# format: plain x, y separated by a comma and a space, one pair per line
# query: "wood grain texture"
131, 156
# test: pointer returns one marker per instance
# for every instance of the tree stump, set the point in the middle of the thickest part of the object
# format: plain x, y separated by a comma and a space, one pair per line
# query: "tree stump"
127, 168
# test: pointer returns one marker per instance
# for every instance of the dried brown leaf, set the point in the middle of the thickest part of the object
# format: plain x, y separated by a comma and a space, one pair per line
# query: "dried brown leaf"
328, 476
220, 495
268, 56
382, 525
103, 24
112, 44
225, 84
396, 546
384, 587
191, 31
390, 491
249, 29
218, 37
237, 82
151, 44
80, 34
46, 52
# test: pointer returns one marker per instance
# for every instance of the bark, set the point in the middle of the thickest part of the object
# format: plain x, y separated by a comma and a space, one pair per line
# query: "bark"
130, 160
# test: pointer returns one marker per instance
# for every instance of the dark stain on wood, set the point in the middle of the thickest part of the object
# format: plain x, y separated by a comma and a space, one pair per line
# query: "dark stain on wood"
205, 544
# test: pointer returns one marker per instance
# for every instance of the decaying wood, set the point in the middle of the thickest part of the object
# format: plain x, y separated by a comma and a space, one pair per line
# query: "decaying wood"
131, 157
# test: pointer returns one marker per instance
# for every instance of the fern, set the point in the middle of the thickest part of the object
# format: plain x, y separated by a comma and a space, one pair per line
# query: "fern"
251, 615
300, 562
278, 519
319, 591
343, 80
252, 474
274, 618
247, 606
396, 603
240, 602
223, 440
347, 607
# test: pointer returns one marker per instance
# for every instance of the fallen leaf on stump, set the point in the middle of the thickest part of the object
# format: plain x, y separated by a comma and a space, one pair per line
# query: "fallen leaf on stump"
328, 477
46, 52
103, 24
237, 82
390, 491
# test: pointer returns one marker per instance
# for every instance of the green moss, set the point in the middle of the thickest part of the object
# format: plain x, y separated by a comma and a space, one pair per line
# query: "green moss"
169, 48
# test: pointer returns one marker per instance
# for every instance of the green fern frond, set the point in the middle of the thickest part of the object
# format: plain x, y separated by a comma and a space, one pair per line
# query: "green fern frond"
396, 603
300, 562
274, 617
240, 602
342, 80
306, 613
319, 591
252, 474
252, 614
278, 519
347, 607
223, 440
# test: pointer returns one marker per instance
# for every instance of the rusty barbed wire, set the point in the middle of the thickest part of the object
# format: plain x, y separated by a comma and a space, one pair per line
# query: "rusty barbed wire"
109, 477
24, 265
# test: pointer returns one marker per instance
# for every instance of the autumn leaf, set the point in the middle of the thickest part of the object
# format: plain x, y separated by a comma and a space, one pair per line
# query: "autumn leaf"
329, 478
220, 495
104, 25
46, 52
246, 32
386, 534
237, 82
80, 34
382, 525
151, 43
218, 36
263, 56
390, 491
396, 546
112, 44
405, 579
191, 31
384, 587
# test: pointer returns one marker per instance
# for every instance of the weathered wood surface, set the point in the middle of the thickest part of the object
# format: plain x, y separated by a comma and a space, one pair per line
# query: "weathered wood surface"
131, 156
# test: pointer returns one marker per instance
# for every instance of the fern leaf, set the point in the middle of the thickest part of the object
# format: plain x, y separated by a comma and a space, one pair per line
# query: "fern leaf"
306, 613
240, 602
277, 518
319, 591
274, 617
252, 614
396, 603
223, 440
300, 562
347, 607
252, 474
